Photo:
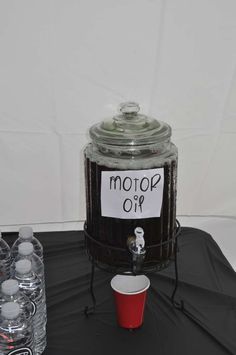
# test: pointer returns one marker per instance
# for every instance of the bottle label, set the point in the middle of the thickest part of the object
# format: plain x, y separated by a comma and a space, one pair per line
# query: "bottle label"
131, 194
21, 351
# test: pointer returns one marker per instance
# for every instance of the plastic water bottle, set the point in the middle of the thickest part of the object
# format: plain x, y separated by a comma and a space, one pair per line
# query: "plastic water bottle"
26, 235
10, 292
31, 285
16, 336
5, 259
26, 251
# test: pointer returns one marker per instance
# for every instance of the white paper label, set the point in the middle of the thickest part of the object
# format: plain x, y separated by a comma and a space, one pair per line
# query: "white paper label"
132, 194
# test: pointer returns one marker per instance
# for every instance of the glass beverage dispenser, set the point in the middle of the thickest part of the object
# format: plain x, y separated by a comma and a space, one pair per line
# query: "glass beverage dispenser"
130, 176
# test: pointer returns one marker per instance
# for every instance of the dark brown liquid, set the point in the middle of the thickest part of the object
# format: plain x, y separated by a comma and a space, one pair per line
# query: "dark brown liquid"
115, 231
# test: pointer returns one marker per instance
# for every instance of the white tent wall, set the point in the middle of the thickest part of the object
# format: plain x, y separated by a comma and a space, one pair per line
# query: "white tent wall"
65, 65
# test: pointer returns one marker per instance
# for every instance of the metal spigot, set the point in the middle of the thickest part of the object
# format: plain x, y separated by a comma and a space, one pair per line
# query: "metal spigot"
136, 245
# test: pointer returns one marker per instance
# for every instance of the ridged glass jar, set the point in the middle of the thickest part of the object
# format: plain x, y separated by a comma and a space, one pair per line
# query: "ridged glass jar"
130, 177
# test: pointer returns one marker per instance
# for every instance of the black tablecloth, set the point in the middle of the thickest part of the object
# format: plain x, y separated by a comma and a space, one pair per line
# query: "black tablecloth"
207, 325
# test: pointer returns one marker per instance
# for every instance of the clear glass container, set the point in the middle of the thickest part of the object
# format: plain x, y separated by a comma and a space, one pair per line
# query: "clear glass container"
130, 176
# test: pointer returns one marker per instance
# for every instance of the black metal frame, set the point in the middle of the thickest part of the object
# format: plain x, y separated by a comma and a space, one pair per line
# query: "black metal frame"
90, 310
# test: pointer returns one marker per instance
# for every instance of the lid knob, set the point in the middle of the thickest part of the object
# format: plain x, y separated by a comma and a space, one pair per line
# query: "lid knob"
128, 108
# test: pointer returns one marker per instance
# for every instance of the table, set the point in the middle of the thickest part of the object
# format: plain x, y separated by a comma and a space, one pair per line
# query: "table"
207, 286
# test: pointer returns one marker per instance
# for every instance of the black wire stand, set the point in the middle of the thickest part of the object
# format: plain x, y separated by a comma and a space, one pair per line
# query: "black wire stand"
127, 269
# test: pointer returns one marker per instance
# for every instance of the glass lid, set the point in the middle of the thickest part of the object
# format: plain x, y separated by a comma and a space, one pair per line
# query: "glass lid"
130, 128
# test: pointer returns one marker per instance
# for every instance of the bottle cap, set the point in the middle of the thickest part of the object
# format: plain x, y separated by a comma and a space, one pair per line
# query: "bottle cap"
10, 310
10, 287
23, 266
25, 248
26, 232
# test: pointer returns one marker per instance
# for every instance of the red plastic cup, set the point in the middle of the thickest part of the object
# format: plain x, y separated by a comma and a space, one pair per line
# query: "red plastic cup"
130, 297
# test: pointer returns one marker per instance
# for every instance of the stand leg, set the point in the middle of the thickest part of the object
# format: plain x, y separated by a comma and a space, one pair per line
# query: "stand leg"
90, 310
176, 304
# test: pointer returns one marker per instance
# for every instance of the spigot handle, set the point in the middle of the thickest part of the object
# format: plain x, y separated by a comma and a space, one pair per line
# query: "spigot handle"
140, 242
139, 231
